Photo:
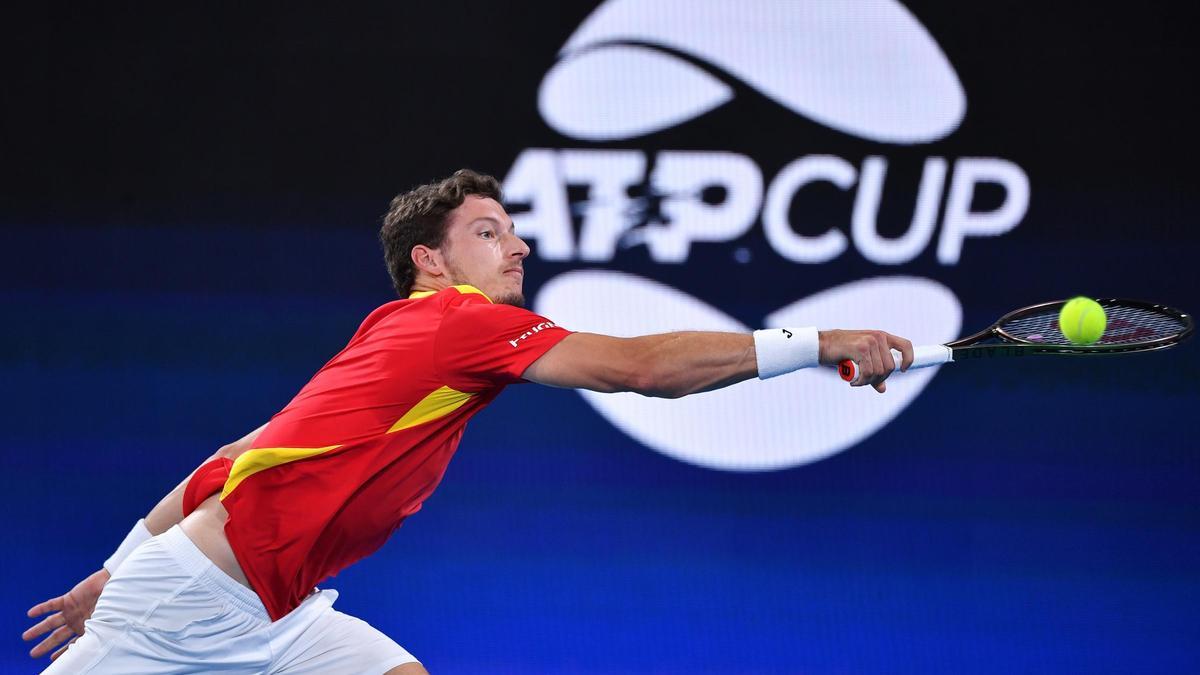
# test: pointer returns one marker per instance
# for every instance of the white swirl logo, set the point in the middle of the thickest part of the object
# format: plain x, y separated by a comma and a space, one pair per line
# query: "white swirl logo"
872, 72
763, 426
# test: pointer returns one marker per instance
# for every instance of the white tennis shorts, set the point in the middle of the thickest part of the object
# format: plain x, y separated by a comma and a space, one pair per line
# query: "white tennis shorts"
169, 609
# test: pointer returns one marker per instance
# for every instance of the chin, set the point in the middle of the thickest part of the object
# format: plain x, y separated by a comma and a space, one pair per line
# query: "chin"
514, 298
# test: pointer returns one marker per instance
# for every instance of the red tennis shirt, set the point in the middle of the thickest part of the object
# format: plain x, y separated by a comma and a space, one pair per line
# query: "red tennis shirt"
367, 440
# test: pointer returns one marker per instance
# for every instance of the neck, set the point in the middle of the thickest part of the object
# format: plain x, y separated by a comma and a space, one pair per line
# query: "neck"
434, 284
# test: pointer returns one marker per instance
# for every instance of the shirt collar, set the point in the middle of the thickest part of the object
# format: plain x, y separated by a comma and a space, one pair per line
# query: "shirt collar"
461, 288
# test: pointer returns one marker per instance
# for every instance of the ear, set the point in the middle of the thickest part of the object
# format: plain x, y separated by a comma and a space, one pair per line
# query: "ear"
428, 260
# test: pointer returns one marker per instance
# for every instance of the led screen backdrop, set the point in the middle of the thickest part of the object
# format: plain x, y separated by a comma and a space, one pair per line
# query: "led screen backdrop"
189, 214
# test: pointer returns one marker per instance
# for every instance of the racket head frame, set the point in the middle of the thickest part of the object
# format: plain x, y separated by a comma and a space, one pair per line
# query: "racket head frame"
995, 341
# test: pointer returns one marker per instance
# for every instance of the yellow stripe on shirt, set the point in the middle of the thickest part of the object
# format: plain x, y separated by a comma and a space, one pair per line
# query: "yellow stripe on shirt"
253, 461
437, 404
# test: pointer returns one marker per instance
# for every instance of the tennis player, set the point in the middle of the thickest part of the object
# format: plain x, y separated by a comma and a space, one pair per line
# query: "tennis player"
222, 574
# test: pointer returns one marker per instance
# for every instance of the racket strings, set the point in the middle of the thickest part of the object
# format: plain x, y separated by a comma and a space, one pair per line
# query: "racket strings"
1126, 325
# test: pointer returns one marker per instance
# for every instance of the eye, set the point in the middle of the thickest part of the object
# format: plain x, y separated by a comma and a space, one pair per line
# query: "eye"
487, 234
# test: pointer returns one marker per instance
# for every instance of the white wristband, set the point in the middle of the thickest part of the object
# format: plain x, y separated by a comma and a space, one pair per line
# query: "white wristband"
135, 538
782, 350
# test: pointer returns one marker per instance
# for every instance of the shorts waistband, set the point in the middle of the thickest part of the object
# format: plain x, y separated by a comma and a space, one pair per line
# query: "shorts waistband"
194, 562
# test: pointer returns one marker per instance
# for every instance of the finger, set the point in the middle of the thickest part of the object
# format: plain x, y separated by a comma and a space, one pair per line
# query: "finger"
877, 373
56, 638
906, 350
889, 362
48, 623
862, 360
58, 652
47, 606
866, 367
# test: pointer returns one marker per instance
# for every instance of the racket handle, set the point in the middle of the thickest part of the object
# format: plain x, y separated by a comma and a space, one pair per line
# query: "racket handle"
923, 357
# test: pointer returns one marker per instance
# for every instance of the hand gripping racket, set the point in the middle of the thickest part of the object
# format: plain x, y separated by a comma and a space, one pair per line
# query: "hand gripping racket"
1133, 326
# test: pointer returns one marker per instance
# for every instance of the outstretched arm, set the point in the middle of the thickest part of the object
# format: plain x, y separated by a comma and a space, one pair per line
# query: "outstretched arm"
70, 610
672, 365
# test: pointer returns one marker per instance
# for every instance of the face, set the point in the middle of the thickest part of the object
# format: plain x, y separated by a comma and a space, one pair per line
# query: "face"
482, 249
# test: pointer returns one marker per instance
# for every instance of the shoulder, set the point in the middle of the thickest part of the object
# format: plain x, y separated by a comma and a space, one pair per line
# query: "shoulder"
473, 318
379, 314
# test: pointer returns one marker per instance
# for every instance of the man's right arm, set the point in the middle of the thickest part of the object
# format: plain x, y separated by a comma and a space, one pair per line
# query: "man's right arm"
677, 364
72, 608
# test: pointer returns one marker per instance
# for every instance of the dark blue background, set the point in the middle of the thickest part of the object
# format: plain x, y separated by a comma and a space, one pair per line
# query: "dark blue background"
188, 223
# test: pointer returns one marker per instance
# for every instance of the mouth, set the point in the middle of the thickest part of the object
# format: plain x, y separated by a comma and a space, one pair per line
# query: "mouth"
518, 273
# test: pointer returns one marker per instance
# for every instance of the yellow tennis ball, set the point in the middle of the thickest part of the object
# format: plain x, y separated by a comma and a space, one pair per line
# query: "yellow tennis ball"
1082, 320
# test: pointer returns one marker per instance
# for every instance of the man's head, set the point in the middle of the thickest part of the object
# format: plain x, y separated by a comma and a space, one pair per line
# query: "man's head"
454, 232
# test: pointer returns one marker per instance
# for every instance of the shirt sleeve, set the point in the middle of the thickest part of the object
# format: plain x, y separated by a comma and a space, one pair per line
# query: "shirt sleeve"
481, 345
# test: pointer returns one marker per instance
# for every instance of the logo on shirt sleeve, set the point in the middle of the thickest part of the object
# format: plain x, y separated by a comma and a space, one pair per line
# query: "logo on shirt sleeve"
532, 331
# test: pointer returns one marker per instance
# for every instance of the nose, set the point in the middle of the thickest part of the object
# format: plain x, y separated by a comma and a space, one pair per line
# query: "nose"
518, 248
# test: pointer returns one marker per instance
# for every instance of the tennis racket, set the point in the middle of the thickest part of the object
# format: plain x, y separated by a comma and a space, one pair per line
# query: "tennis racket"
1133, 326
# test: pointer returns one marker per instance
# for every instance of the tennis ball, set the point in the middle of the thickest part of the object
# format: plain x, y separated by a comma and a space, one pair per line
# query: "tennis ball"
1082, 320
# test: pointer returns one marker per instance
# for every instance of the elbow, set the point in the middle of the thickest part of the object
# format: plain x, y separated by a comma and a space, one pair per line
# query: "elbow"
643, 372
231, 450
239, 447
648, 380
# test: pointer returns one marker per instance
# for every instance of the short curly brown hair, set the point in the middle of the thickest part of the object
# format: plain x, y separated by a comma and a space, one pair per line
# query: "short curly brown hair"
419, 217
